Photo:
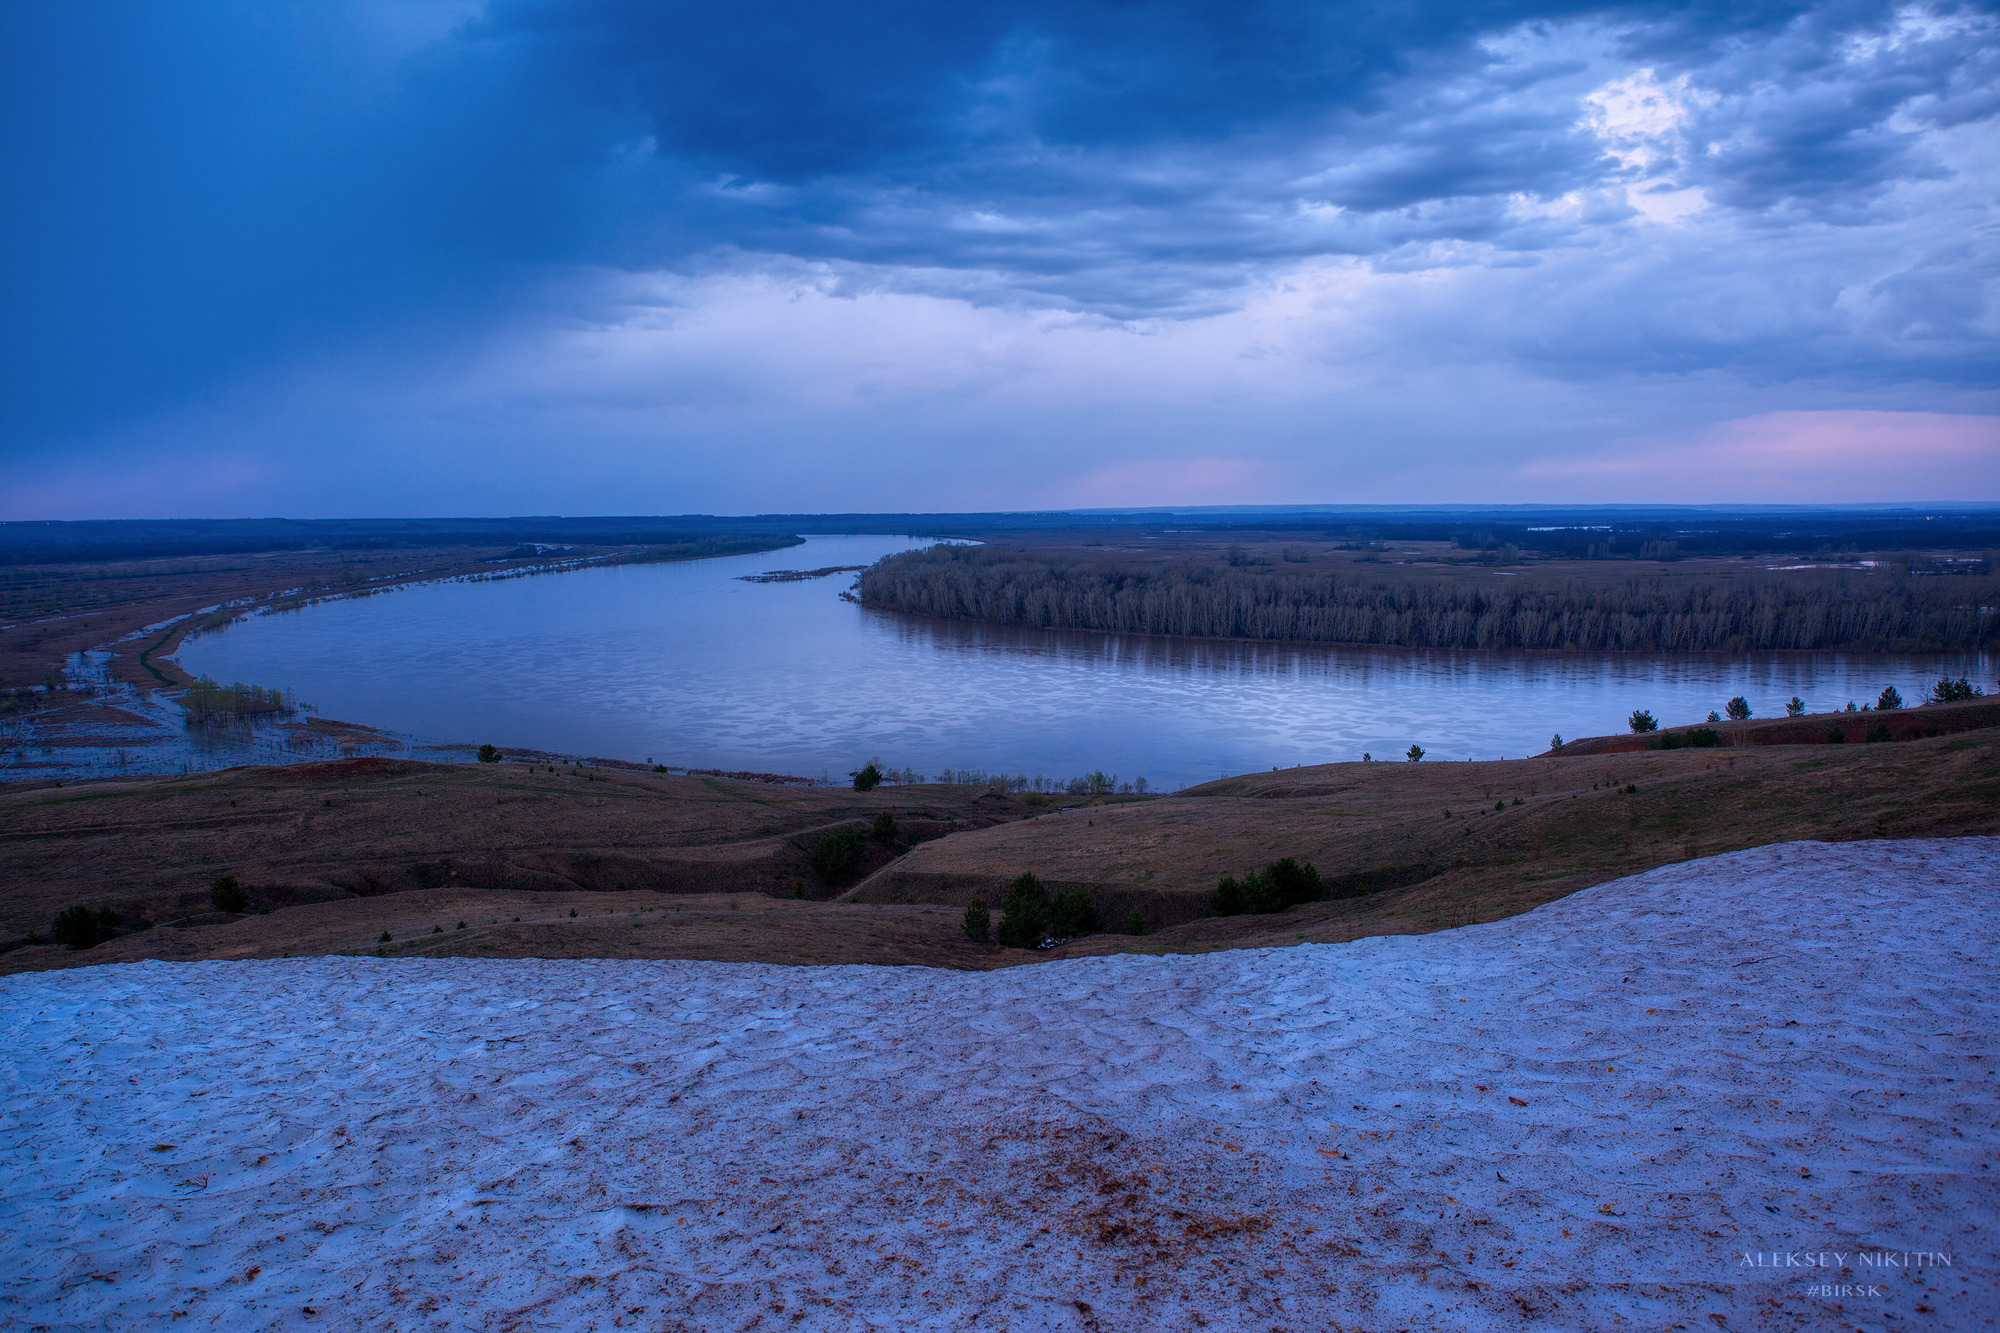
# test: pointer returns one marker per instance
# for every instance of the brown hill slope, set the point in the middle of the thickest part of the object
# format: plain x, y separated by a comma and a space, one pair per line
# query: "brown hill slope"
659, 866
333, 837
1423, 846
1902, 724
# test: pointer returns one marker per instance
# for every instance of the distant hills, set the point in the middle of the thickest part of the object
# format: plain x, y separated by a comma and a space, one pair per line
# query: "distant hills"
1712, 529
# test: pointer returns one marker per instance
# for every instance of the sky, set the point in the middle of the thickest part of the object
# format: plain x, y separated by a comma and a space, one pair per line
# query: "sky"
354, 257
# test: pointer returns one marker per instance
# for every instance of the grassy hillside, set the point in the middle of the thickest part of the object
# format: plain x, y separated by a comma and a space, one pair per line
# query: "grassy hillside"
333, 848
1427, 846
577, 863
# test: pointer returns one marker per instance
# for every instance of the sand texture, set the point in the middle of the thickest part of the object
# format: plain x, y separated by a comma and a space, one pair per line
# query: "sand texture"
1602, 1113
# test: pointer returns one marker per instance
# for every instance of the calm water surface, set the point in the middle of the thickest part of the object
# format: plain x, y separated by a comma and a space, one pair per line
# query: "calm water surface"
687, 665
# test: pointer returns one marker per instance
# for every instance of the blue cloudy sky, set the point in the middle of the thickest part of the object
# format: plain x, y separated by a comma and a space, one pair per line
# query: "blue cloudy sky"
539, 256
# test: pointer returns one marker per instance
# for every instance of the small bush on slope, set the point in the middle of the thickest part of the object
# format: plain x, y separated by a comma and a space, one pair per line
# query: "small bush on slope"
80, 928
1281, 884
977, 921
1024, 914
1075, 914
835, 856
227, 895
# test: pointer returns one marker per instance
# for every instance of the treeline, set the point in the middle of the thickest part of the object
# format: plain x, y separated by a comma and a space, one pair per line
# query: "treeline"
1885, 612
1098, 783
872, 774
554, 563
209, 701
702, 548
35, 542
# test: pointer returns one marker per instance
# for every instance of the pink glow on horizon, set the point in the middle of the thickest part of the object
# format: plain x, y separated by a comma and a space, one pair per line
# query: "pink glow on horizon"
1806, 457
1169, 481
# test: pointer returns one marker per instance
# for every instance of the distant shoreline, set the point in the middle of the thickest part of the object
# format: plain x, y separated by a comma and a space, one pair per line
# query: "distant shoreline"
154, 606
171, 642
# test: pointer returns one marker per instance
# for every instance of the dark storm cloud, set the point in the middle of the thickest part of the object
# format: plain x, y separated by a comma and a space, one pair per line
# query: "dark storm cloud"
201, 192
1829, 111
1059, 143
197, 190
1182, 128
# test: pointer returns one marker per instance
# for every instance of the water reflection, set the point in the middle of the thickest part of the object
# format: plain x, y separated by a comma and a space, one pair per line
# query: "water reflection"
691, 666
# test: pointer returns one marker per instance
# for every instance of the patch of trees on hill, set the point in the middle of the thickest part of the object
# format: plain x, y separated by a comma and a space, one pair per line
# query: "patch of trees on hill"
1885, 611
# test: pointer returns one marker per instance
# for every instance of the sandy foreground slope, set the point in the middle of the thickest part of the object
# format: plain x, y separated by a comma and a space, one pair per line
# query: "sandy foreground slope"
1651, 1104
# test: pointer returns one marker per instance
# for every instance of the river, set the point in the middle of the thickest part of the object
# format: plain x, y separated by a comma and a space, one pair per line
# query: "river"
687, 665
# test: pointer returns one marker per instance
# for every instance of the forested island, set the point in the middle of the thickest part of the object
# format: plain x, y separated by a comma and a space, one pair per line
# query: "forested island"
1889, 607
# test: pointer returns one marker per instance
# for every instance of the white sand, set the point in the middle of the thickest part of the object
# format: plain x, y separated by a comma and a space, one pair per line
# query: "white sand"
1584, 1117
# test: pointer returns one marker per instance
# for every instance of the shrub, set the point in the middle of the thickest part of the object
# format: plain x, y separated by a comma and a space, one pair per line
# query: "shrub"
1075, 914
1414, 753
977, 921
885, 827
835, 856
1878, 733
868, 777
1949, 691
1024, 913
227, 895
489, 754
1714, 716
1796, 708
1135, 922
208, 701
1704, 738
80, 928
1641, 722
385, 936
1836, 736
1738, 709
1279, 885
1286, 883
1888, 699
